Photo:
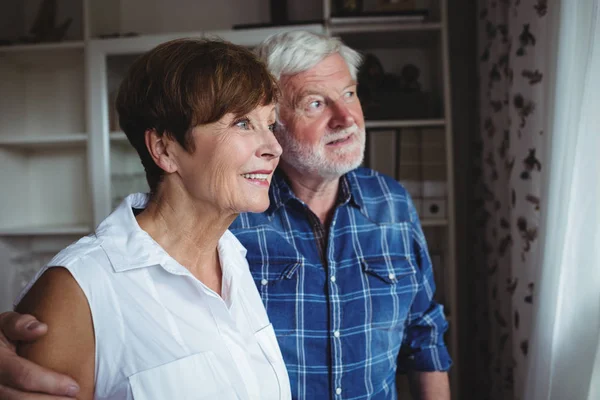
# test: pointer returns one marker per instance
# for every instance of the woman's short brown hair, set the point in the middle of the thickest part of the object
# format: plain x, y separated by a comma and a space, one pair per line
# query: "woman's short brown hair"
185, 83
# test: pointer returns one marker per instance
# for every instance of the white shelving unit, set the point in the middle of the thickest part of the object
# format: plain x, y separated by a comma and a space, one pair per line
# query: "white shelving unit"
64, 163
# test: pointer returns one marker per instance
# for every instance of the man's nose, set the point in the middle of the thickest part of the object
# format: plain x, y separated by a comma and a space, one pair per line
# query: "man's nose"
341, 116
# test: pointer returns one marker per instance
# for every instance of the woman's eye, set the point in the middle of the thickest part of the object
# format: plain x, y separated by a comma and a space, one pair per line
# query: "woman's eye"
272, 127
243, 123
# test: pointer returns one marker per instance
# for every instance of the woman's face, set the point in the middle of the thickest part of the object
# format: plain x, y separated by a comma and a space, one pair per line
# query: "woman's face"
233, 162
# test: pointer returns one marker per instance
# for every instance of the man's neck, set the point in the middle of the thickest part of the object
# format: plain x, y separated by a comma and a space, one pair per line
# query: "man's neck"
318, 193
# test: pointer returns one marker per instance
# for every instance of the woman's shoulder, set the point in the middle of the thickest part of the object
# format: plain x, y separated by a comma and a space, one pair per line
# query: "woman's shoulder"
81, 261
86, 247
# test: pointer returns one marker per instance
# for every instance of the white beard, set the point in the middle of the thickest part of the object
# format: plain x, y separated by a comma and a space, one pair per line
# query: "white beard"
316, 160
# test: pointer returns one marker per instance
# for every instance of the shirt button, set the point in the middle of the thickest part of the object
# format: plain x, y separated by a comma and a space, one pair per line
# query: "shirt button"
264, 282
338, 391
332, 278
392, 276
336, 333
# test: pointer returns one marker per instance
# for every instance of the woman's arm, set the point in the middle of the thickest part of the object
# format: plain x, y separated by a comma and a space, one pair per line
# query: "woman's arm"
69, 346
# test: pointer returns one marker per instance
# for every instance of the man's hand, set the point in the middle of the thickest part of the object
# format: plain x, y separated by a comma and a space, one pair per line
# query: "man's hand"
21, 379
429, 385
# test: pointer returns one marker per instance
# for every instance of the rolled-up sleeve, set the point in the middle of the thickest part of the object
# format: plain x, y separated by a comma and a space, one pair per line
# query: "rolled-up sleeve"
423, 347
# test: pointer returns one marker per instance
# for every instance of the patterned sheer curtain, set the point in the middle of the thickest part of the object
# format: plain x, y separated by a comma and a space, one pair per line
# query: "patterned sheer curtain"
537, 239
509, 161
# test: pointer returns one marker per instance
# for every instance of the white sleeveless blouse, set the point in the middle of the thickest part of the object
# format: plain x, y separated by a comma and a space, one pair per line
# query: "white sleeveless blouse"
162, 334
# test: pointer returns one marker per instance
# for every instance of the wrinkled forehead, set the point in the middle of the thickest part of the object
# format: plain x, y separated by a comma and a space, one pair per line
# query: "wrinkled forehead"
329, 76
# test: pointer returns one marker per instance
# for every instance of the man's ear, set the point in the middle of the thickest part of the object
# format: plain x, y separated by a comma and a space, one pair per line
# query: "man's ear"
160, 148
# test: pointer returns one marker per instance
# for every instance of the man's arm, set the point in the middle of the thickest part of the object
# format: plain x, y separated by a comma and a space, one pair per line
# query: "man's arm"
424, 355
18, 376
429, 385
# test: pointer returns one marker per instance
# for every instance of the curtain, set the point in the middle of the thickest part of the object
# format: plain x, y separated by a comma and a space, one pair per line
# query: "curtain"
509, 156
565, 362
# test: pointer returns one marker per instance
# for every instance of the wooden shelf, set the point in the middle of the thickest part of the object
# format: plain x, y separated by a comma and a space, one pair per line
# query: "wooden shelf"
143, 43
385, 27
374, 124
42, 47
118, 137
46, 230
437, 222
33, 142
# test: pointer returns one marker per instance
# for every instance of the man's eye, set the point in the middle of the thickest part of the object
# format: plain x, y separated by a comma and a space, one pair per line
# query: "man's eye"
313, 105
272, 127
243, 123
349, 94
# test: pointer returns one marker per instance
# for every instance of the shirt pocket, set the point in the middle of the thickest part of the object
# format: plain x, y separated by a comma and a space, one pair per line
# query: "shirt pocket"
391, 283
277, 283
268, 344
197, 377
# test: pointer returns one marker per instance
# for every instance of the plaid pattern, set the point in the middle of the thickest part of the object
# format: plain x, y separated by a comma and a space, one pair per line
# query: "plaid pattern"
346, 323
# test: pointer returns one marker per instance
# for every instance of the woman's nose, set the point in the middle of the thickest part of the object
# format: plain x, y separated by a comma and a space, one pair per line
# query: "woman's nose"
271, 147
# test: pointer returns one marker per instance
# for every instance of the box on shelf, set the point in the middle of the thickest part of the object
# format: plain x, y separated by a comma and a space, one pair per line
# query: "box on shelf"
434, 208
381, 154
415, 188
418, 203
433, 189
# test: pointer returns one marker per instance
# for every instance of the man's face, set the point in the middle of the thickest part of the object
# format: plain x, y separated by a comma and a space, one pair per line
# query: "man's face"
323, 132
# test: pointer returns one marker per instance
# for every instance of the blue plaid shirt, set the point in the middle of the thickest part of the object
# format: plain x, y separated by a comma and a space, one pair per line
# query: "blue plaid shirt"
352, 303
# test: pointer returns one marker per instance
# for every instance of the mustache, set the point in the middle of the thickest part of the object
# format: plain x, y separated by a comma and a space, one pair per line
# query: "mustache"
341, 134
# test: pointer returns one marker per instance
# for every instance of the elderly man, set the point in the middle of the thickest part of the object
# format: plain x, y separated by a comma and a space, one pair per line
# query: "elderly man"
339, 258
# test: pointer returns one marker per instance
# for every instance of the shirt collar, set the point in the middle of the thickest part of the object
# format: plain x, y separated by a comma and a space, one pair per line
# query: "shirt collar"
281, 192
129, 247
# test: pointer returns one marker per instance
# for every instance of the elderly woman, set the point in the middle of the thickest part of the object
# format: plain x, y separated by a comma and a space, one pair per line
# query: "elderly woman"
159, 303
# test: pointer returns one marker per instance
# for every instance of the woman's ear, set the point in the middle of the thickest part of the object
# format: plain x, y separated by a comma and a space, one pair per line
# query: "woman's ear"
160, 148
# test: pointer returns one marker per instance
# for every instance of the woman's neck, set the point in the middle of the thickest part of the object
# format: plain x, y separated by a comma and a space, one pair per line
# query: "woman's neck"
187, 230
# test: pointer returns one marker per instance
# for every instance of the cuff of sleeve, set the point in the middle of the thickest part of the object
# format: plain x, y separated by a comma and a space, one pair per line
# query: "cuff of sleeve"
428, 359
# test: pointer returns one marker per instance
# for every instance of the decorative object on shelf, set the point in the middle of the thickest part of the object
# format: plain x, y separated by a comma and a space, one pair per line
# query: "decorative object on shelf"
409, 79
375, 88
348, 7
373, 11
395, 5
387, 96
44, 28
279, 12
286, 13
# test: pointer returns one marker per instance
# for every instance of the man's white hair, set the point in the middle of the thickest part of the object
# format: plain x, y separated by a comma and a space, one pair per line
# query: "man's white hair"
290, 53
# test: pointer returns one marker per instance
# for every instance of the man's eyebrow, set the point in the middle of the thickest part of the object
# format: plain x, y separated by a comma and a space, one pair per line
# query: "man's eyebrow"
306, 93
298, 98
313, 92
